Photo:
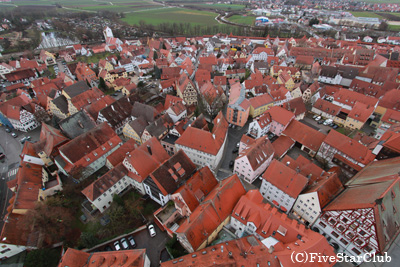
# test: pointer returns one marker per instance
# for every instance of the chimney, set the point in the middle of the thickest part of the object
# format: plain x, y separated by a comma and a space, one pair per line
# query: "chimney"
149, 149
271, 249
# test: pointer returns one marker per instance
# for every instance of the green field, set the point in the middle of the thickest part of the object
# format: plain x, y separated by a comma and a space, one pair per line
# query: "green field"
394, 27
381, 1
172, 15
366, 14
247, 20
225, 7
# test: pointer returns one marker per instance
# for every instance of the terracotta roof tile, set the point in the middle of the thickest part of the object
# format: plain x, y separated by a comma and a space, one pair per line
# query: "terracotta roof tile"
284, 178
305, 135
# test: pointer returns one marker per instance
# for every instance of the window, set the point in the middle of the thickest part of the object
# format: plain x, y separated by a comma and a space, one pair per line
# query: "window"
356, 251
344, 241
335, 234
322, 224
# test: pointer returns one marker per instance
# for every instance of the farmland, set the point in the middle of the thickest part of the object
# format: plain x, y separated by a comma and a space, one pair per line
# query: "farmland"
172, 15
366, 14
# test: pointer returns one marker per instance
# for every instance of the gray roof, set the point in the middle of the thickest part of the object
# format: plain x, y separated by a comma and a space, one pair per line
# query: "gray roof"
157, 128
138, 125
76, 89
77, 124
117, 112
61, 103
146, 112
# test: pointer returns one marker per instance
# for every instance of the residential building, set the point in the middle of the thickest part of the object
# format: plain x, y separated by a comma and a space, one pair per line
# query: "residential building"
118, 155
123, 258
117, 114
254, 159
238, 107
340, 150
144, 160
281, 185
205, 148
185, 89
259, 104
307, 139
100, 193
284, 237
87, 153
246, 251
364, 220
168, 177
207, 220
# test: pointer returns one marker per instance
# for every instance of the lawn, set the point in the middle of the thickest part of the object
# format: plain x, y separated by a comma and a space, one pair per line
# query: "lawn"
172, 15
93, 59
394, 27
248, 20
225, 7
366, 14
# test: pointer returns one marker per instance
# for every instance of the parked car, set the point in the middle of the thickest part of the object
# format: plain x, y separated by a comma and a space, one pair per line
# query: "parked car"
152, 230
131, 241
235, 150
14, 135
327, 122
315, 116
318, 118
124, 243
116, 245
238, 144
335, 126
231, 163
8, 130
320, 121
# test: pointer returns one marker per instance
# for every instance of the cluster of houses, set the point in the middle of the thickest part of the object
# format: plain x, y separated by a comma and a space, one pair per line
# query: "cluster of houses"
315, 202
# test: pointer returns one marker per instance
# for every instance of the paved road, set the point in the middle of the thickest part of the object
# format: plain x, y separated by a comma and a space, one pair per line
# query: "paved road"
11, 147
234, 136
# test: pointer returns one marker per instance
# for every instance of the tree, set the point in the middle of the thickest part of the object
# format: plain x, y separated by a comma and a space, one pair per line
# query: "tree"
102, 84
43, 257
88, 240
53, 223
383, 26
313, 21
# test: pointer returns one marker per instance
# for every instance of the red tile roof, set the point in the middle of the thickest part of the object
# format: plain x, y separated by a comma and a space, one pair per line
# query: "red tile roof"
258, 152
361, 112
143, 161
231, 254
88, 147
284, 178
280, 115
391, 100
327, 107
349, 147
215, 208
305, 135
208, 142
282, 145
197, 187
304, 166
123, 258
292, 237
119, 154
261, 100
350, 98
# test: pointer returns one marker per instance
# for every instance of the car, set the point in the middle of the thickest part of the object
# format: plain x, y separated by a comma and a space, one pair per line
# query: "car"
235, 150
327, 122
270, 136
320, 121
331, 124
108, 248
2, 156
237, 145
14, 135
152, 230
315, 116
318, 118
115, 94
335, 126
131, 241
8, 130
231, 163
124, 243
116, 245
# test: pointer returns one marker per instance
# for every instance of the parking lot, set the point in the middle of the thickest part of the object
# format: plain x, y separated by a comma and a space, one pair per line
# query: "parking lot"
153, 245
309, 121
